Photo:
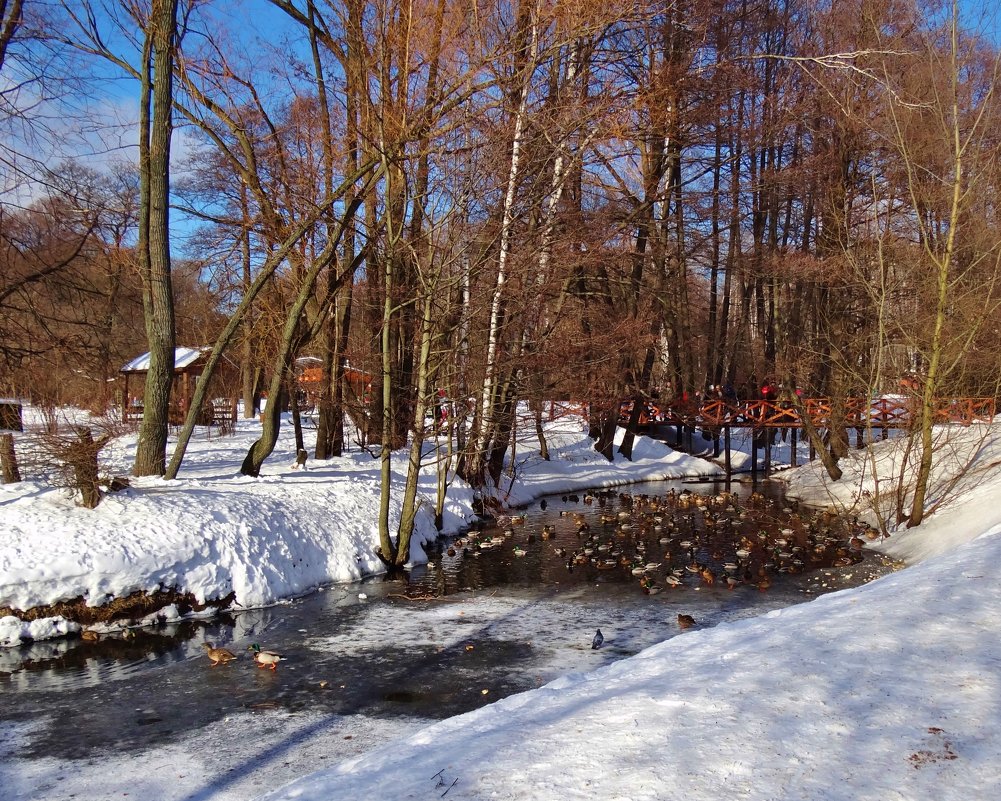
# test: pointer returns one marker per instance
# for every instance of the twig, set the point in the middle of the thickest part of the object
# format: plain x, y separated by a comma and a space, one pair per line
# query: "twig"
438, 774
450, 786
423, 597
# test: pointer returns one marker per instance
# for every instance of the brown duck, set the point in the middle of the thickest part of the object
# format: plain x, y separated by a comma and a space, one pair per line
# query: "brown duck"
685, 621
218, 656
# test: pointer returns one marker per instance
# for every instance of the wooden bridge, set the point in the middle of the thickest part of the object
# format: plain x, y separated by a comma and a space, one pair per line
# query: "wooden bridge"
716, 417
884, 413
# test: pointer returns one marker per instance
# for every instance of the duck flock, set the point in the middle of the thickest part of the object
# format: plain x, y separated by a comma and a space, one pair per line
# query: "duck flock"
679, 539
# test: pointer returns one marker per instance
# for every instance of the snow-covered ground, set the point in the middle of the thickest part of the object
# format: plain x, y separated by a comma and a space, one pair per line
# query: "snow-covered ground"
212, 531
888, 691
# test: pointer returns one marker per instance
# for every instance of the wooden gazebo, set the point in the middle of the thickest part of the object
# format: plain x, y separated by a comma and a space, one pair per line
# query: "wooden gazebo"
189, 363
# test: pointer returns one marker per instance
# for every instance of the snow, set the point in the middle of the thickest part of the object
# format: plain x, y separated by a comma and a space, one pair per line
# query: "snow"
887, 691
183, 357
13, 630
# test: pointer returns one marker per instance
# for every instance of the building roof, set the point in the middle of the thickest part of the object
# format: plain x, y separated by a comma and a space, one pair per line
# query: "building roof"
183, 357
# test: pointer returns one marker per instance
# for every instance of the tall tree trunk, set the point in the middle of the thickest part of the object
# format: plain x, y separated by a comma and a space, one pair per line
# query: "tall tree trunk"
154, 235
409, 511
249, 373
476, 459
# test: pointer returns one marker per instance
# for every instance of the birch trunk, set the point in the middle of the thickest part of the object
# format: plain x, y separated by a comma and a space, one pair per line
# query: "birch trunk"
482, 434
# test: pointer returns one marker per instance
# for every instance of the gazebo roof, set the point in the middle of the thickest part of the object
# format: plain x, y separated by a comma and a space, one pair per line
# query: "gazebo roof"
184, 358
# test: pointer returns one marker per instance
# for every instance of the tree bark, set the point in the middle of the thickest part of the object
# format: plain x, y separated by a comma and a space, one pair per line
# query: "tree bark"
8, 460
154, 235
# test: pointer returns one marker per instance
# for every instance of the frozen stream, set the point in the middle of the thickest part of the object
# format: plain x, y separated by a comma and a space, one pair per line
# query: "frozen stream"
368, 660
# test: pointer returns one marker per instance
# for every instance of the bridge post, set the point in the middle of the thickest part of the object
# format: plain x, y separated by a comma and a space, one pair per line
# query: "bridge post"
768, 452
792, 444
726, 450
754, 456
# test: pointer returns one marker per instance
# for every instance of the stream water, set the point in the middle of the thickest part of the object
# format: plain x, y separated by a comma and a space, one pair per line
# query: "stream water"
498, 611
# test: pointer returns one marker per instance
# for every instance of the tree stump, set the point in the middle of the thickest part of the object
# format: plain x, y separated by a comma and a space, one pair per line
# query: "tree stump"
83, 460
8, 460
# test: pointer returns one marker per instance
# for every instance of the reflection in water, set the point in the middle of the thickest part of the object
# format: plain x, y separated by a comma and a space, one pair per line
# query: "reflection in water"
472, 626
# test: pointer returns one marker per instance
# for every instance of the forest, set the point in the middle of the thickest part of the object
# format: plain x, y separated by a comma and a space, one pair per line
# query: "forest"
501, 204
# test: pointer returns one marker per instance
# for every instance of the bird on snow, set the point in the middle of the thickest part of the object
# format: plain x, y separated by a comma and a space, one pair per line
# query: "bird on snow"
599, 638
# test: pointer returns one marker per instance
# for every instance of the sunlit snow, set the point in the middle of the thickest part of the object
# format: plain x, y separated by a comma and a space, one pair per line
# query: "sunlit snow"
888, 691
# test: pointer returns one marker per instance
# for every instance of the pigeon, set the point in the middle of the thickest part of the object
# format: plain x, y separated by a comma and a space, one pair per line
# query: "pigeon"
599, 638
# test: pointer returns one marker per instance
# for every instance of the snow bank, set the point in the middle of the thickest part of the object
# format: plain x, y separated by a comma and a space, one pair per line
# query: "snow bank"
964, 491
212, 532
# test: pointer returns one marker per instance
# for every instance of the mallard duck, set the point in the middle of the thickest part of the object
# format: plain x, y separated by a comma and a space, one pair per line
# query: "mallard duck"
685, 621
218, 656
265, 659
89, 635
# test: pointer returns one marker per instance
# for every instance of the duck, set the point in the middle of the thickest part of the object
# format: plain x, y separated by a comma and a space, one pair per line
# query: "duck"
89, 635
218, 656
685, 621
265, 659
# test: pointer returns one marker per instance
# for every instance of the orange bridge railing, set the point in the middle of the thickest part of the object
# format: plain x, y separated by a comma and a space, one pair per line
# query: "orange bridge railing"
883, 412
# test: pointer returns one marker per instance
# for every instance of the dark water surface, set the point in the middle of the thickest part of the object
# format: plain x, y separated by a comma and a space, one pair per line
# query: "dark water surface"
474, 625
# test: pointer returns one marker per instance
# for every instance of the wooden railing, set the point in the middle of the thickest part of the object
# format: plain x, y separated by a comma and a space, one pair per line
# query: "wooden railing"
220, 412
883, 412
